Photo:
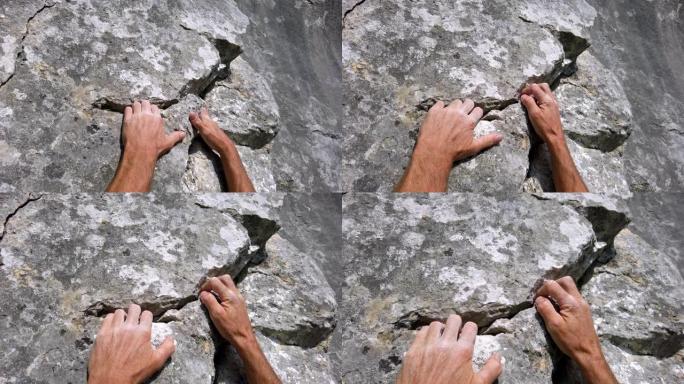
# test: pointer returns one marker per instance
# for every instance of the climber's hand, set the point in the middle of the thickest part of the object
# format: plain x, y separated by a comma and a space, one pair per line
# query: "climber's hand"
572, 327
123, 352
143, 131
144, 141
542, 108
446, 136
210, 131
229, 315
440, 355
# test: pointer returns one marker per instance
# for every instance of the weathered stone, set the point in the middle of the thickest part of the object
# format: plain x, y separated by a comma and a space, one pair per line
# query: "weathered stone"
602, 172
295, 46
292, 364
69, 260
640, 43
502, 169
527, 354
633, 369
69, 68
420, 258
289, 298
400, 56
636, 299
251, 118
594, 106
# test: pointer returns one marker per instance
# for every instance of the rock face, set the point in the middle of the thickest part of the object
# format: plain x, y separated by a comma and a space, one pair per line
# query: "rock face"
66, 261
638, 313
640, 43
416, 259
400, 57
68, 68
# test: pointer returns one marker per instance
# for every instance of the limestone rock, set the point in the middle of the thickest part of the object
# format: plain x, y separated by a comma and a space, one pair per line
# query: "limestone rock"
414, 259
402, 55
288, 297
526, 350
636, 299
501, 169
68, 69
69, 260
594, 106
292, 364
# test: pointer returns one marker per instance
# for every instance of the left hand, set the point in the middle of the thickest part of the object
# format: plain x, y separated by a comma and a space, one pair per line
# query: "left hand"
123, 352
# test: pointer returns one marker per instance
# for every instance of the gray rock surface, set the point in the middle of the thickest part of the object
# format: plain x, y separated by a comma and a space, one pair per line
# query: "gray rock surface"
637, 309
415, 259
640, 43
68, 68
401, 56
67, 260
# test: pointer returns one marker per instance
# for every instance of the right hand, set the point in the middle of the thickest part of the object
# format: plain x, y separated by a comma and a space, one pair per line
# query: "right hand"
543, 110
571, 327
230, 316
439, 355
211, 133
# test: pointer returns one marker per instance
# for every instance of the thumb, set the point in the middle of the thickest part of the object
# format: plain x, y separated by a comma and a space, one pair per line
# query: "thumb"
529, 103
484, 142
164, 351
492, 369
173, 139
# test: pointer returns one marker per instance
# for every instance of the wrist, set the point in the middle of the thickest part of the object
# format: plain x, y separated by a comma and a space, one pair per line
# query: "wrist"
141, 157
108, 379
226, 147
432, 161
245, 343
589, 357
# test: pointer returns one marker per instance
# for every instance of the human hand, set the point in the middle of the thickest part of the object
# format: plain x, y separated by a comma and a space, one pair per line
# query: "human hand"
439, 355
542, 108
143, 132
210, 131
571, 327
230, 316
447, 134
123, 352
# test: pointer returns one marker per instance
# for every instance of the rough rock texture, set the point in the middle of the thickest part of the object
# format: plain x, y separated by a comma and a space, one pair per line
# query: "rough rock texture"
638, 313
414, 259
69, 260
68, 68
401, 56
295, 45
640, 42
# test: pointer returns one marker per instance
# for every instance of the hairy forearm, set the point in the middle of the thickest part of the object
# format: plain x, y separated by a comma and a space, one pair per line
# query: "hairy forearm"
566, 177
236, 175
257, 368
423, 175
134, 173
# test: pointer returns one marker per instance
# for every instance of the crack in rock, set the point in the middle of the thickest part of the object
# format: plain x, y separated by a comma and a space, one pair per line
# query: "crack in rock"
29, 200
157, 307
21, 53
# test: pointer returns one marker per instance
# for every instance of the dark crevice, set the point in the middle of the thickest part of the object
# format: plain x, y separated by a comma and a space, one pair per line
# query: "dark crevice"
21, 54
483, 318
348, 11
487, 104
29, 200
199, 87
118, 105
158, 307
